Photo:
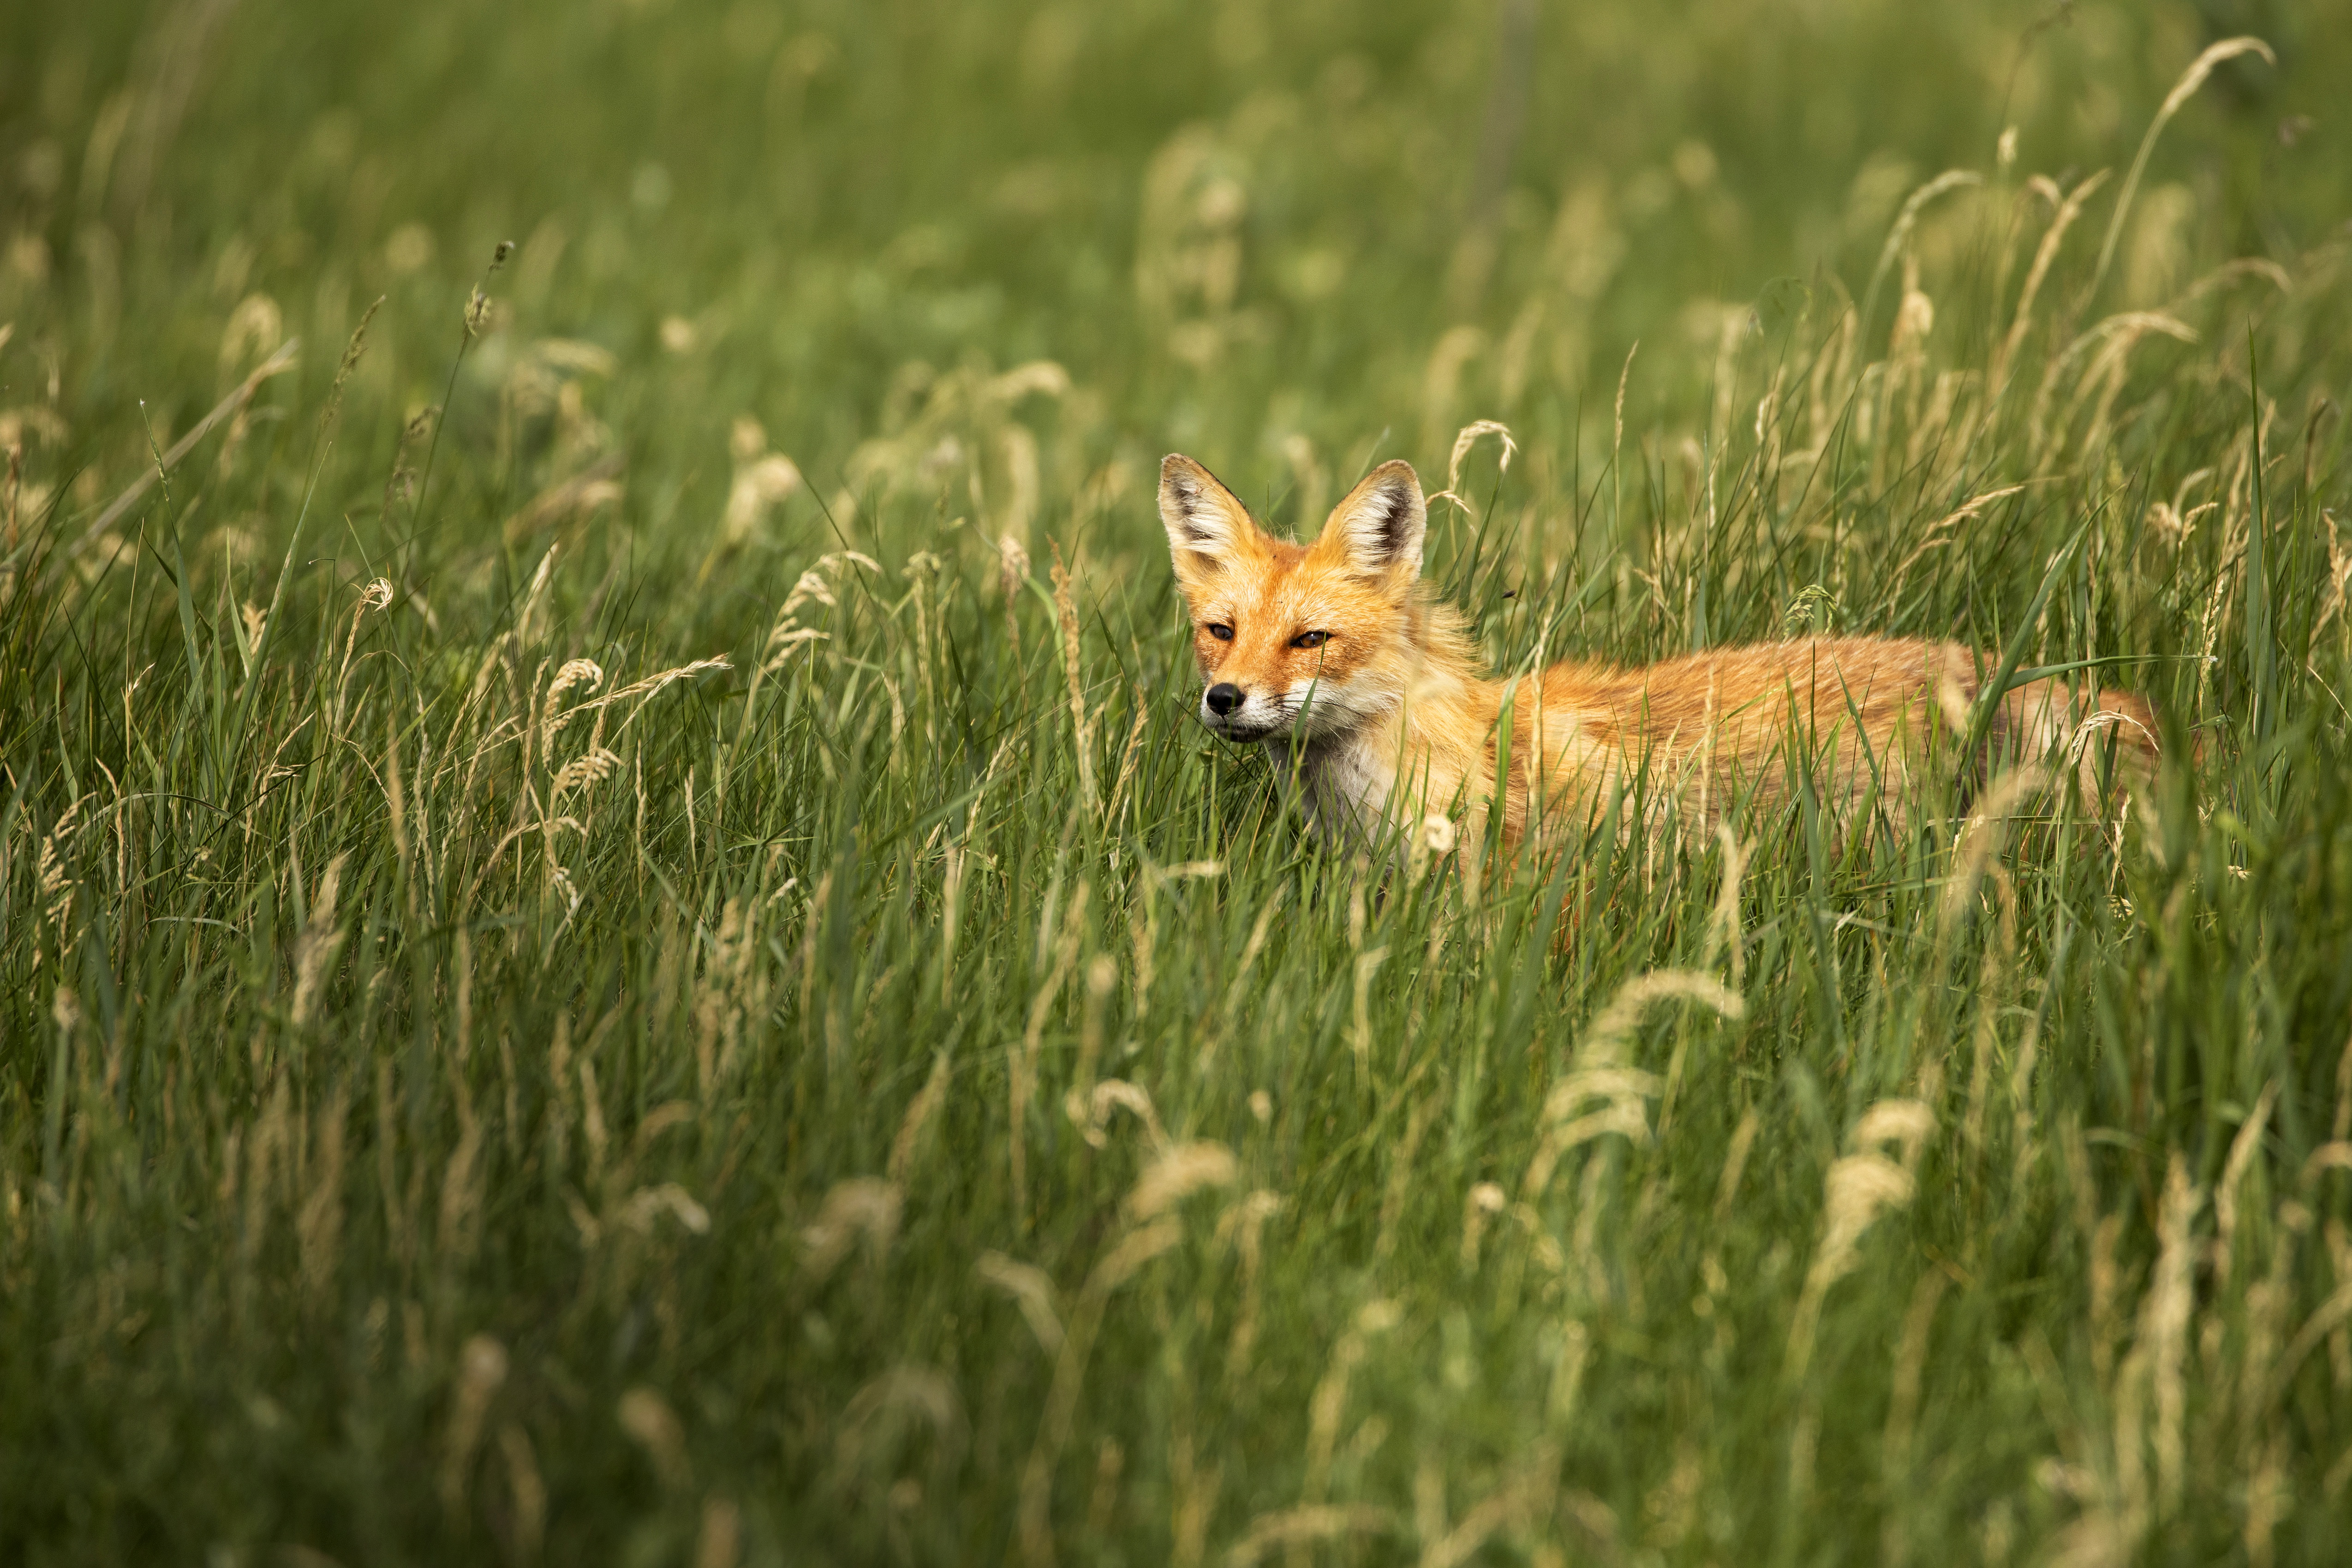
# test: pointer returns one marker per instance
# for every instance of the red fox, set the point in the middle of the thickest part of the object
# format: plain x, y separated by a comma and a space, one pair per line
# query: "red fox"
1365, 690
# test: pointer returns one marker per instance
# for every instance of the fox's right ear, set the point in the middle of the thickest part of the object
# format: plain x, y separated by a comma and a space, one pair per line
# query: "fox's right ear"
1208, 529
1377, 532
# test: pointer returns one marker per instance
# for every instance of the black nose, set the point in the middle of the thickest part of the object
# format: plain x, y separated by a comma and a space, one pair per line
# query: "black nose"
1224, 697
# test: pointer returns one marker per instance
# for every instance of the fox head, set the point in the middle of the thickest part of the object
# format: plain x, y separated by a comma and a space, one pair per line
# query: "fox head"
1303, 641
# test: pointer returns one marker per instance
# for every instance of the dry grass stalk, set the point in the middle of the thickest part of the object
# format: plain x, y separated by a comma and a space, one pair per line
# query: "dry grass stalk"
1518, 1498
1903, 1410
1401, 1171
719, 1542
2115, 337
2068, 206
1712, 1276
1485, 1201
277, 364
1723, 921
1464, 441
647, 1204
1032, 1290
56, 885
2182, 91
646, 688
812, 926
920, 1111
398, 1216
529, 1491
586, 674
1134, 1249
2243, 1147
650, 1422
463, 1187
2161, 1344
1331, 1398
1245, 1222
2324, 1323
1066, 610
269, 1151
1906, 1124
1177, 1174
1860, 1188
731, 993
318, 1225
2266, 1309
481, 1372
578, 496
1305, 1525
1022, 1087
1196, 1488
1237, 991
1127, 762
859, 1208
319, 939
1624, 377
1101, 979
1933, 536
883, 1409
1013, 574
1116, 1094
1605, 1036
952, 908
1981, 836
591, 1122
2341, 1127
1360, 1031
1899, 236
1624, 1095
583, 772
763, 479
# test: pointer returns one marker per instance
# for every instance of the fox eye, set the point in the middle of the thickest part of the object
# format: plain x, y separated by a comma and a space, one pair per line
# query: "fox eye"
1310, 639
1221, 633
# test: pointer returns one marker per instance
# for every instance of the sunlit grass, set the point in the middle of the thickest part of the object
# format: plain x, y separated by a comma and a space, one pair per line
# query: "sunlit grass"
619, 943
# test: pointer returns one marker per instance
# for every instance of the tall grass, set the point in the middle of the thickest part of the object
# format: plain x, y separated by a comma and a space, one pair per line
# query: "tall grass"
609, 957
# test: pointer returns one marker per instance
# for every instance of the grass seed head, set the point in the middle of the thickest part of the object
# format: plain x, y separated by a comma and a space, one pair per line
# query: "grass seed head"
646, 1204
1031, 1291
1177, 1174
863, 1208
721, 1541
1485, 1200
481, 1373
650, 1422
529, 1490
1906, 1123
1116, 1094
319, 939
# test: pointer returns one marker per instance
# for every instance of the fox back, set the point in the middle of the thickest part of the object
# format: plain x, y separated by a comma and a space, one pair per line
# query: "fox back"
1366, 691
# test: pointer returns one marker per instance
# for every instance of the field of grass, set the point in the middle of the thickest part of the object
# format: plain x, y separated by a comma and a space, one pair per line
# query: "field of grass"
617, 944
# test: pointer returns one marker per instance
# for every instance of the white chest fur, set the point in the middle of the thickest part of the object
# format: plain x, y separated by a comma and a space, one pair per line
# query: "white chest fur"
1349, 794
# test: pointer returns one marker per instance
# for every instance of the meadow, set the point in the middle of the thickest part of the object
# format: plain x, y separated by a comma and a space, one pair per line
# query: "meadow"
617, 942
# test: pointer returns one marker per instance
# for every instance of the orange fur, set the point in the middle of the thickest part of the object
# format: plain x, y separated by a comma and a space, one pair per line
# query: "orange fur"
1388, 718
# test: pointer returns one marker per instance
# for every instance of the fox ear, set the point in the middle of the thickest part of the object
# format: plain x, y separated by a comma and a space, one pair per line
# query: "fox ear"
1208, 529
1379, 528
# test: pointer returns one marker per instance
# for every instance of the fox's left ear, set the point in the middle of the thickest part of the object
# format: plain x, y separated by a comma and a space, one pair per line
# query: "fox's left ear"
1209, 530
1379, 528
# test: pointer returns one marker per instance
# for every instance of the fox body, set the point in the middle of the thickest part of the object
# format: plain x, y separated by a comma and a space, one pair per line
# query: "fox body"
1366, 693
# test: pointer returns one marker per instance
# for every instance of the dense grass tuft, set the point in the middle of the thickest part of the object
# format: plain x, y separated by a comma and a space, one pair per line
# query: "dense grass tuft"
618, 943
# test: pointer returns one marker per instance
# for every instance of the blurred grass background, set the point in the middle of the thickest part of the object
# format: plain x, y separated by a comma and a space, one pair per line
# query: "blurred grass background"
882, 1085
